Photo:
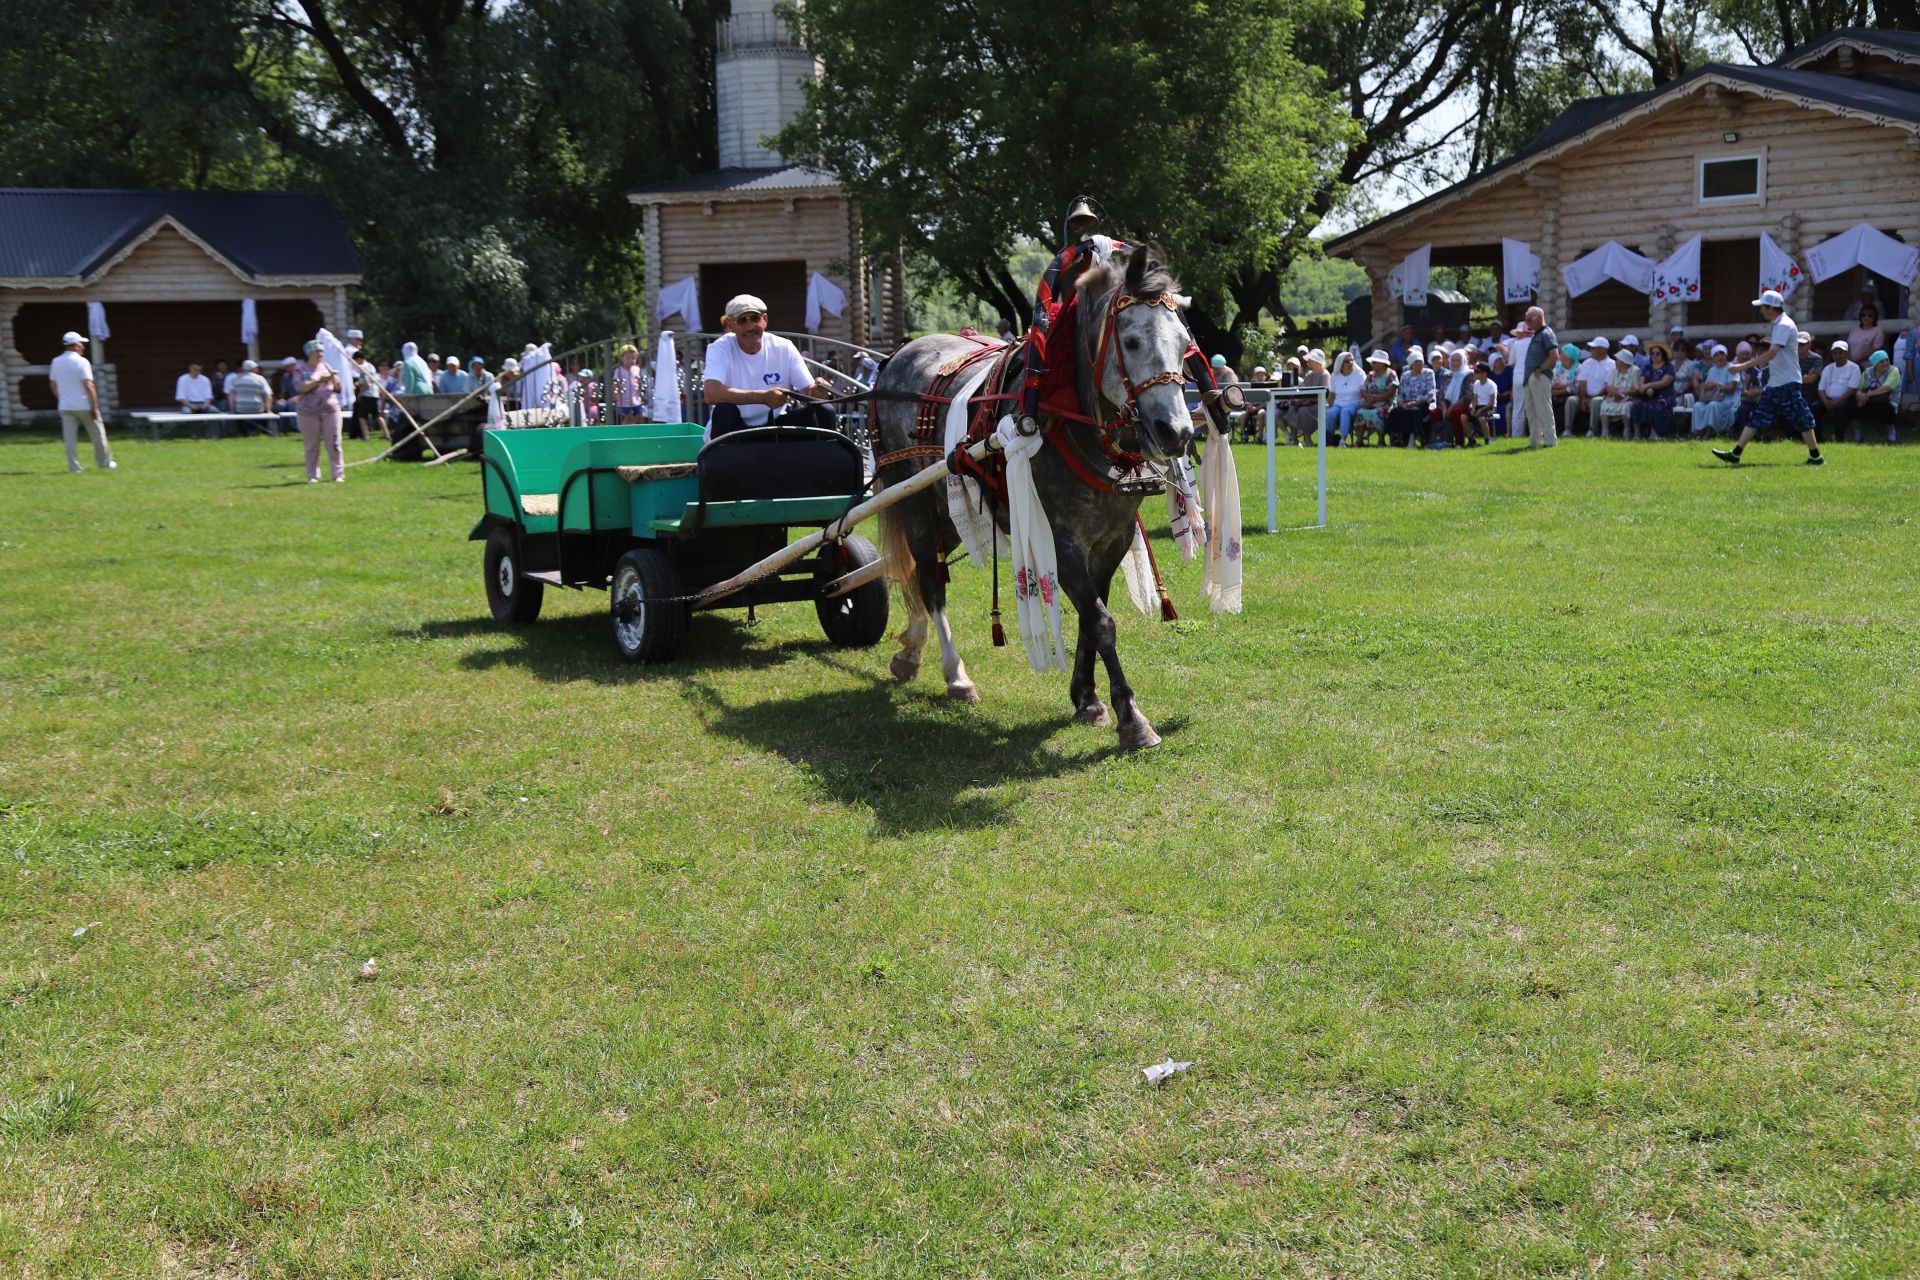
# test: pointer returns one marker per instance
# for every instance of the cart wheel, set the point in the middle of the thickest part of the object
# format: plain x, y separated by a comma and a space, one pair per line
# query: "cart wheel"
857, 619
647, 621
513, 597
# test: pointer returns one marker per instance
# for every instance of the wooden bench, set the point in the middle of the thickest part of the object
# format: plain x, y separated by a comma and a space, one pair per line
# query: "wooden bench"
159, 422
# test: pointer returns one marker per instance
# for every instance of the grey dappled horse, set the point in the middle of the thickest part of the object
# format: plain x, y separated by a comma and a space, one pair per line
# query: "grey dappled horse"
1139, 384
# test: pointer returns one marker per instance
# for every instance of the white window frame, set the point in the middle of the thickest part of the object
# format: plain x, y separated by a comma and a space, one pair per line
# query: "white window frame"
1759, 195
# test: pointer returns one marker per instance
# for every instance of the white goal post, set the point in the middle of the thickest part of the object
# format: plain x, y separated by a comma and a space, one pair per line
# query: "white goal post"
1273, 398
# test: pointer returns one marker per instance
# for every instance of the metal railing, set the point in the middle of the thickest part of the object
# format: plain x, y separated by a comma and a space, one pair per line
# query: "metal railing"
754, 31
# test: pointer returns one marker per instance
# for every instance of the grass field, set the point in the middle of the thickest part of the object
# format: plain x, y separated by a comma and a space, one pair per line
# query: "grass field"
1530, 874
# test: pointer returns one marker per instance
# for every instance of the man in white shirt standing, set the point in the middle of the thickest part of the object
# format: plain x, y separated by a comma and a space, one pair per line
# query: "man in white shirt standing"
1781, 400
72, 376
751, 376
192, 390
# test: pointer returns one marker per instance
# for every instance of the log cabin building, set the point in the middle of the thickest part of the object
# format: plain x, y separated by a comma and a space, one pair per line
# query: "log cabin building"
1800, 150
759, 224
169, 271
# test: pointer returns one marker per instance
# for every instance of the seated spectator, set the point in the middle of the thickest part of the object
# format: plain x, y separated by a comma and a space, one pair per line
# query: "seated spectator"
1398, 348
1867, 336
1653, 410
1483, 406
452, 380
192, 391
1376, 397
1222, 371
1810, 366
1412, 413
1496, 340
1868, 299
1838, 382
1260, 377
1623, 389
1345, 385
1716, 397
251, 393
1503, 380
1755, 381
434, 366
284, 391
222, 380
1455, 398
1307, 412
1878, 397
1589, 385
393, 384
1632, 345
1291, 372
1566, 371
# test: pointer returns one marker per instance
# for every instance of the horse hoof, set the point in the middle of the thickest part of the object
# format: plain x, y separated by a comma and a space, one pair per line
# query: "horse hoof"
1138, 735
1095, 714
904, 669
963, 693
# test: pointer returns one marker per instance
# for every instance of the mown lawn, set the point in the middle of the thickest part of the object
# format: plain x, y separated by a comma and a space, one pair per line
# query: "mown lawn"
1530, 874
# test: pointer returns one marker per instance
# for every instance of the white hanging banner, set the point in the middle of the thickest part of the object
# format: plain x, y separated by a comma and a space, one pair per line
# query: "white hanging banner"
1408, 281
1678, 278
1519, 271
97, 321
1611, 261
1778, 270
1864, 245
681, 298
823, 295
249, 322
666, 382
335, 355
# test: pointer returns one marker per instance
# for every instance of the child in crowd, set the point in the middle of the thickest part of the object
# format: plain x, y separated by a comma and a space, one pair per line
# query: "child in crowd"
1483, 405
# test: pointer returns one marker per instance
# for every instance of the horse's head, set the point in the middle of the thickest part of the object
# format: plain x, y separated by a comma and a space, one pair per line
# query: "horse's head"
1136, 346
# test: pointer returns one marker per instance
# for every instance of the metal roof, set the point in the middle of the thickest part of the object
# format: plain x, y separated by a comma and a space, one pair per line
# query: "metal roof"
1903, 45
63, 233
779, 178
1886, 102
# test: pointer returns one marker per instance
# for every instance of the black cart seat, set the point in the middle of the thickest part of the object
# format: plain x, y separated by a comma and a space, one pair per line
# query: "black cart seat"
779, 461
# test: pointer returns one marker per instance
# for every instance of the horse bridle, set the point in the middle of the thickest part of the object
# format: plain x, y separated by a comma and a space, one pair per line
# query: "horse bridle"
1131, 408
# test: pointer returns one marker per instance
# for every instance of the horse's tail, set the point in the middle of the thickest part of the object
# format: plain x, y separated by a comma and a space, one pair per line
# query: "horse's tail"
897, 547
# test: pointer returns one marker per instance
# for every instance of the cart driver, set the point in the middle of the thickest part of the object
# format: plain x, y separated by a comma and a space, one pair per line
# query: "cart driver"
752, 376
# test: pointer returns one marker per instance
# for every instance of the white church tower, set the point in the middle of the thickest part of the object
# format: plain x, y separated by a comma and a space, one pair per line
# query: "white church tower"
759, 224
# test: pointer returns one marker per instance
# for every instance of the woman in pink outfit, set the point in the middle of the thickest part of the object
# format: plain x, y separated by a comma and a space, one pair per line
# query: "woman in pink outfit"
317, 405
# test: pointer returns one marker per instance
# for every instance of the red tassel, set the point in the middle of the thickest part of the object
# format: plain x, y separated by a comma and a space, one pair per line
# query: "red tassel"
1167, 612
999, 633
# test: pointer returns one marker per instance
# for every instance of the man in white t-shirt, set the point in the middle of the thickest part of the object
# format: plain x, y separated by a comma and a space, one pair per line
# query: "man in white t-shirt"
1838, 381
1590, 386
751, 376
72, 376
1781, 399
192, 390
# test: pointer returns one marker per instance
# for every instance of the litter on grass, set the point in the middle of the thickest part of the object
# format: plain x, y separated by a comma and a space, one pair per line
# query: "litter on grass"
1160, 1072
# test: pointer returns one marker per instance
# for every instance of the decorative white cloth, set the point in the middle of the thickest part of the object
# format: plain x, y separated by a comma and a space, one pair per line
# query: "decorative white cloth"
1137, 565
97, 322
965, 502
1678, 278
536, 376
1864, 245
1408, 281
1611, 261
335, 355
1220, 484
1036, 577
666, 381
1778, 270
681, 298
249, 322
823, 295
1186, 518
1519, 270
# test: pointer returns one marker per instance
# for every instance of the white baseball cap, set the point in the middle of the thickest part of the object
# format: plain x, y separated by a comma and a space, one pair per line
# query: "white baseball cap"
1839, 344
1771, 298
70, 337
1317, 354
355, 334
1600, 342
1629, 341
249, 365
454, 361
743, 303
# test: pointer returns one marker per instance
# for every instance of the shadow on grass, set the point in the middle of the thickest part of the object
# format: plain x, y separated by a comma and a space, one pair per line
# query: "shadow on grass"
580, 647
916, 763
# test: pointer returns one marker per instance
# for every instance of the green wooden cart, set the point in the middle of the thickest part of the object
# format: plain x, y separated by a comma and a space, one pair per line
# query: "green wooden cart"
657, 517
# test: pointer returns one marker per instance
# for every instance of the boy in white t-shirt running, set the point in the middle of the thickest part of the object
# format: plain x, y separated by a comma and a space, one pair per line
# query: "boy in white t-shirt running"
72, 376
1782, 398
751, 375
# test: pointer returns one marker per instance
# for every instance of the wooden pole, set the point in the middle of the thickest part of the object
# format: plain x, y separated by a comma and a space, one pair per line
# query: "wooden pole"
858, 578
838, 528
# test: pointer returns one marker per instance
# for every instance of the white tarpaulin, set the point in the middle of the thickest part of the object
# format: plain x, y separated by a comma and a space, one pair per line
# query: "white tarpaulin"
666, 382
1864, 245
1678, 278
249, 322
1408, 281
1611, 261
823, 295
681, 298
1519, 270
97, 322
336, 357
1778, 270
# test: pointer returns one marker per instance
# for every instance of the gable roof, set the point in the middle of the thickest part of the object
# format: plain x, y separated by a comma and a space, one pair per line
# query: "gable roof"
778, 178
1901, 46
63, 233
1877, 101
